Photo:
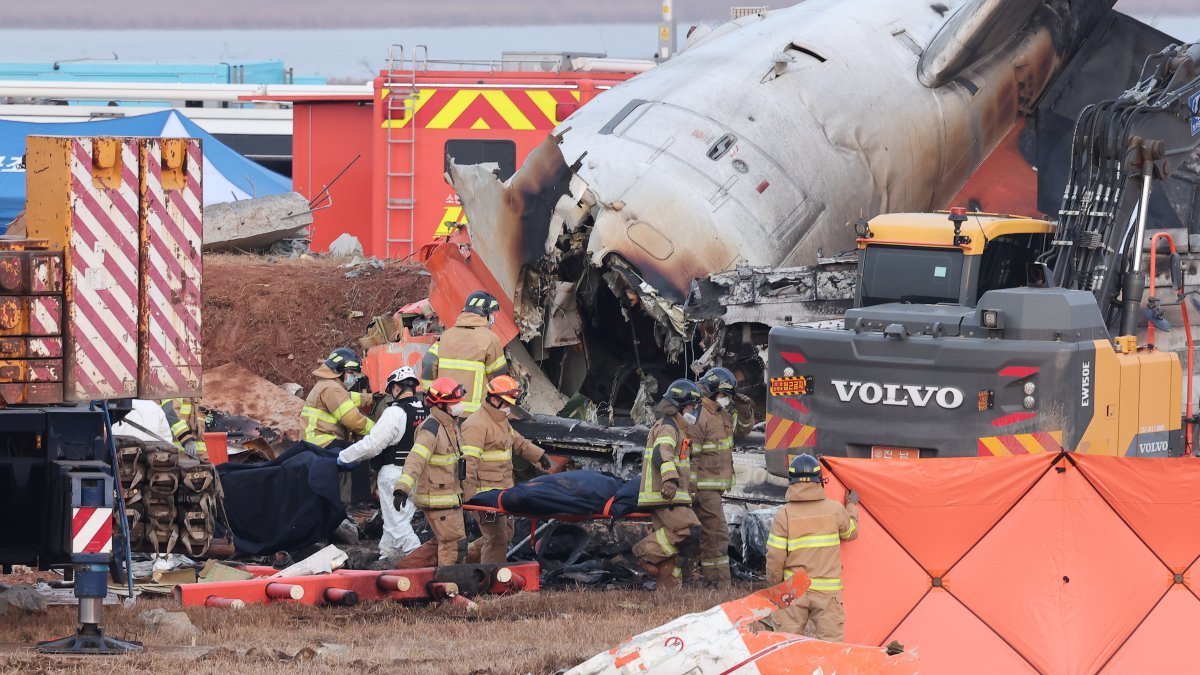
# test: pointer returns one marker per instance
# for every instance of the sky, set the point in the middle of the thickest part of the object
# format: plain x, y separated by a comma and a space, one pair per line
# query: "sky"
298, 14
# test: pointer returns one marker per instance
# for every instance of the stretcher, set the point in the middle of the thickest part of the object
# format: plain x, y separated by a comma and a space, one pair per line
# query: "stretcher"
540, 521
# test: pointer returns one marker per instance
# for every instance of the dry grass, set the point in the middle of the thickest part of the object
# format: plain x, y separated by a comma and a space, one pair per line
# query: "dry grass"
528, 633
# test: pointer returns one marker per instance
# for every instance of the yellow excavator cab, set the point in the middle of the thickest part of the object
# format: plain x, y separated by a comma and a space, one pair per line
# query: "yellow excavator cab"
936, 230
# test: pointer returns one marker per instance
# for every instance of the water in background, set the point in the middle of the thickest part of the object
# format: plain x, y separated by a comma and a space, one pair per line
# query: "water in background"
361, 53
342, 53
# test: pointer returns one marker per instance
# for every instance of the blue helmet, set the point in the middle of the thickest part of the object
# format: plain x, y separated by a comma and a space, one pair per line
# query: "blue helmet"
805, 469
682, 393
343, 359
718, 381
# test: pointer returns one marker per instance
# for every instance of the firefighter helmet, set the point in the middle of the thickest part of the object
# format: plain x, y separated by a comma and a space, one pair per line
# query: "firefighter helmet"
805, 469
682, 393
343, 359
403, 376
506, 388
444, 392
481, 303
718, 381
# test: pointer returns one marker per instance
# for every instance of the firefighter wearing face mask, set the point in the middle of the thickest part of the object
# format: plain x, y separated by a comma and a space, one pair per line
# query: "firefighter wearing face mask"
489, 443
332, 412
723, 415
664, 490
469, 352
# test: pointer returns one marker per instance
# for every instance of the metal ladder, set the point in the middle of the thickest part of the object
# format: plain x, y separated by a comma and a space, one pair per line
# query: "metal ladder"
400, 184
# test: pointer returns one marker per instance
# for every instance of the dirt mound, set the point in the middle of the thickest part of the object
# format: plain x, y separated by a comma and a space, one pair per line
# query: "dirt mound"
236, 390
278, 318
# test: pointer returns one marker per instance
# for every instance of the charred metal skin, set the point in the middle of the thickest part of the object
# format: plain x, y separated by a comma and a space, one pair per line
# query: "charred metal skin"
758, 146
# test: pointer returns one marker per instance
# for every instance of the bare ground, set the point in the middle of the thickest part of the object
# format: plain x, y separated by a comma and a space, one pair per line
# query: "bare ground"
279, 317
526, 633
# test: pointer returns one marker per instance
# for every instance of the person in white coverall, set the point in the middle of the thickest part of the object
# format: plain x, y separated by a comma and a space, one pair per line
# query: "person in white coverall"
387, 446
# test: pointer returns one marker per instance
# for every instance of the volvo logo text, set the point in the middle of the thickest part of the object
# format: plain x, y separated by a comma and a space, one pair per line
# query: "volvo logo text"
873, 393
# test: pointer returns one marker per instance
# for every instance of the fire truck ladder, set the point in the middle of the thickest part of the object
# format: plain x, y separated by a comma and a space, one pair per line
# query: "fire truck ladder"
401, 135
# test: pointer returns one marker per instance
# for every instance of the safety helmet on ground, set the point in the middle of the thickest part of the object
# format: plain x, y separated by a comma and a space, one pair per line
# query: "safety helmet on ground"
481, 303
444, 391
681, 393
506, 388
718, 380
805, 469
404, 376
343, 359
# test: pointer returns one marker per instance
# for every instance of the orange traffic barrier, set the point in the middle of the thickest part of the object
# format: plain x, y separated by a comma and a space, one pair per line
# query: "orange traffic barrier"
1058, 563
345, 587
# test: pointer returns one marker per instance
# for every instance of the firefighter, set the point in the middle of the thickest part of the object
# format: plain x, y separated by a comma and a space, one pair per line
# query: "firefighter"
664, 486
331, 411
807, 534
712, 465
187, 421
489, 443
431, 471
386, 446
469, 352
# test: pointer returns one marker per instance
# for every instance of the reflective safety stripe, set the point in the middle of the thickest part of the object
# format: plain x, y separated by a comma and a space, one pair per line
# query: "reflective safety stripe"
714, 484
312, 416
407, 481
701, 448
496, 455
475, 368
438, 501
677, 573
443, 460
667, 467
357, 398
179, 427
472, 451
715, 562
346, 406
661, 536
825, 585
484, 489
850, 530
776, 541
317, 414
812, 541
664, 440
421, 451
499, 363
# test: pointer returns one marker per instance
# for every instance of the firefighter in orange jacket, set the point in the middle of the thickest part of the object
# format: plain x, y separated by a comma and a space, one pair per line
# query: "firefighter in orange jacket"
712, 465
807, 534
489, 443
469, 352
431, 471
664, 486
331, 412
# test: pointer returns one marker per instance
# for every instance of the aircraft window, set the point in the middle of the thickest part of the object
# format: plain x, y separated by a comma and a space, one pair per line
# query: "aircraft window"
502, 153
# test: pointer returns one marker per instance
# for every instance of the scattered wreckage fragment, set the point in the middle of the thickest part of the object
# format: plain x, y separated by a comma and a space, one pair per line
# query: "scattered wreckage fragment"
728, 638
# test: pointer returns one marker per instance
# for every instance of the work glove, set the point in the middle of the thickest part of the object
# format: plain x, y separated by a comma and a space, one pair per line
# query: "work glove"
669, 488
346, 466
399, 499
851, 497
189, 448
544, 462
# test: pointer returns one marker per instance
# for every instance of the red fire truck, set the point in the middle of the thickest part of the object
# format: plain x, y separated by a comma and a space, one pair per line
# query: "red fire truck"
394, 197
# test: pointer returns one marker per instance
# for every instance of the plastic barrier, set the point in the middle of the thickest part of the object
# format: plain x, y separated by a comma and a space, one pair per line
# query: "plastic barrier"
1058, 563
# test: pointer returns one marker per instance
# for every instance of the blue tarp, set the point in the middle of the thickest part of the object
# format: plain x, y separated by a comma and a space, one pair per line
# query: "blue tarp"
227, 175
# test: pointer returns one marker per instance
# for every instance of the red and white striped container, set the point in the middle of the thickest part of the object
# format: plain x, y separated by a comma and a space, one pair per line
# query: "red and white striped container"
172, 231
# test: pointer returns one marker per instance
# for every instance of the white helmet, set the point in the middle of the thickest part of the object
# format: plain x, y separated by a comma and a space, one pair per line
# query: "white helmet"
401, 376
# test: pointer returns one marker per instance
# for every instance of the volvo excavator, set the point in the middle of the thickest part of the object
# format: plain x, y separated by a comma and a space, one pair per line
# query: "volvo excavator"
989, 334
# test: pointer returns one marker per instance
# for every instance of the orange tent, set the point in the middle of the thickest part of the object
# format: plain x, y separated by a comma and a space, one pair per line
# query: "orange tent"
1063, 563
